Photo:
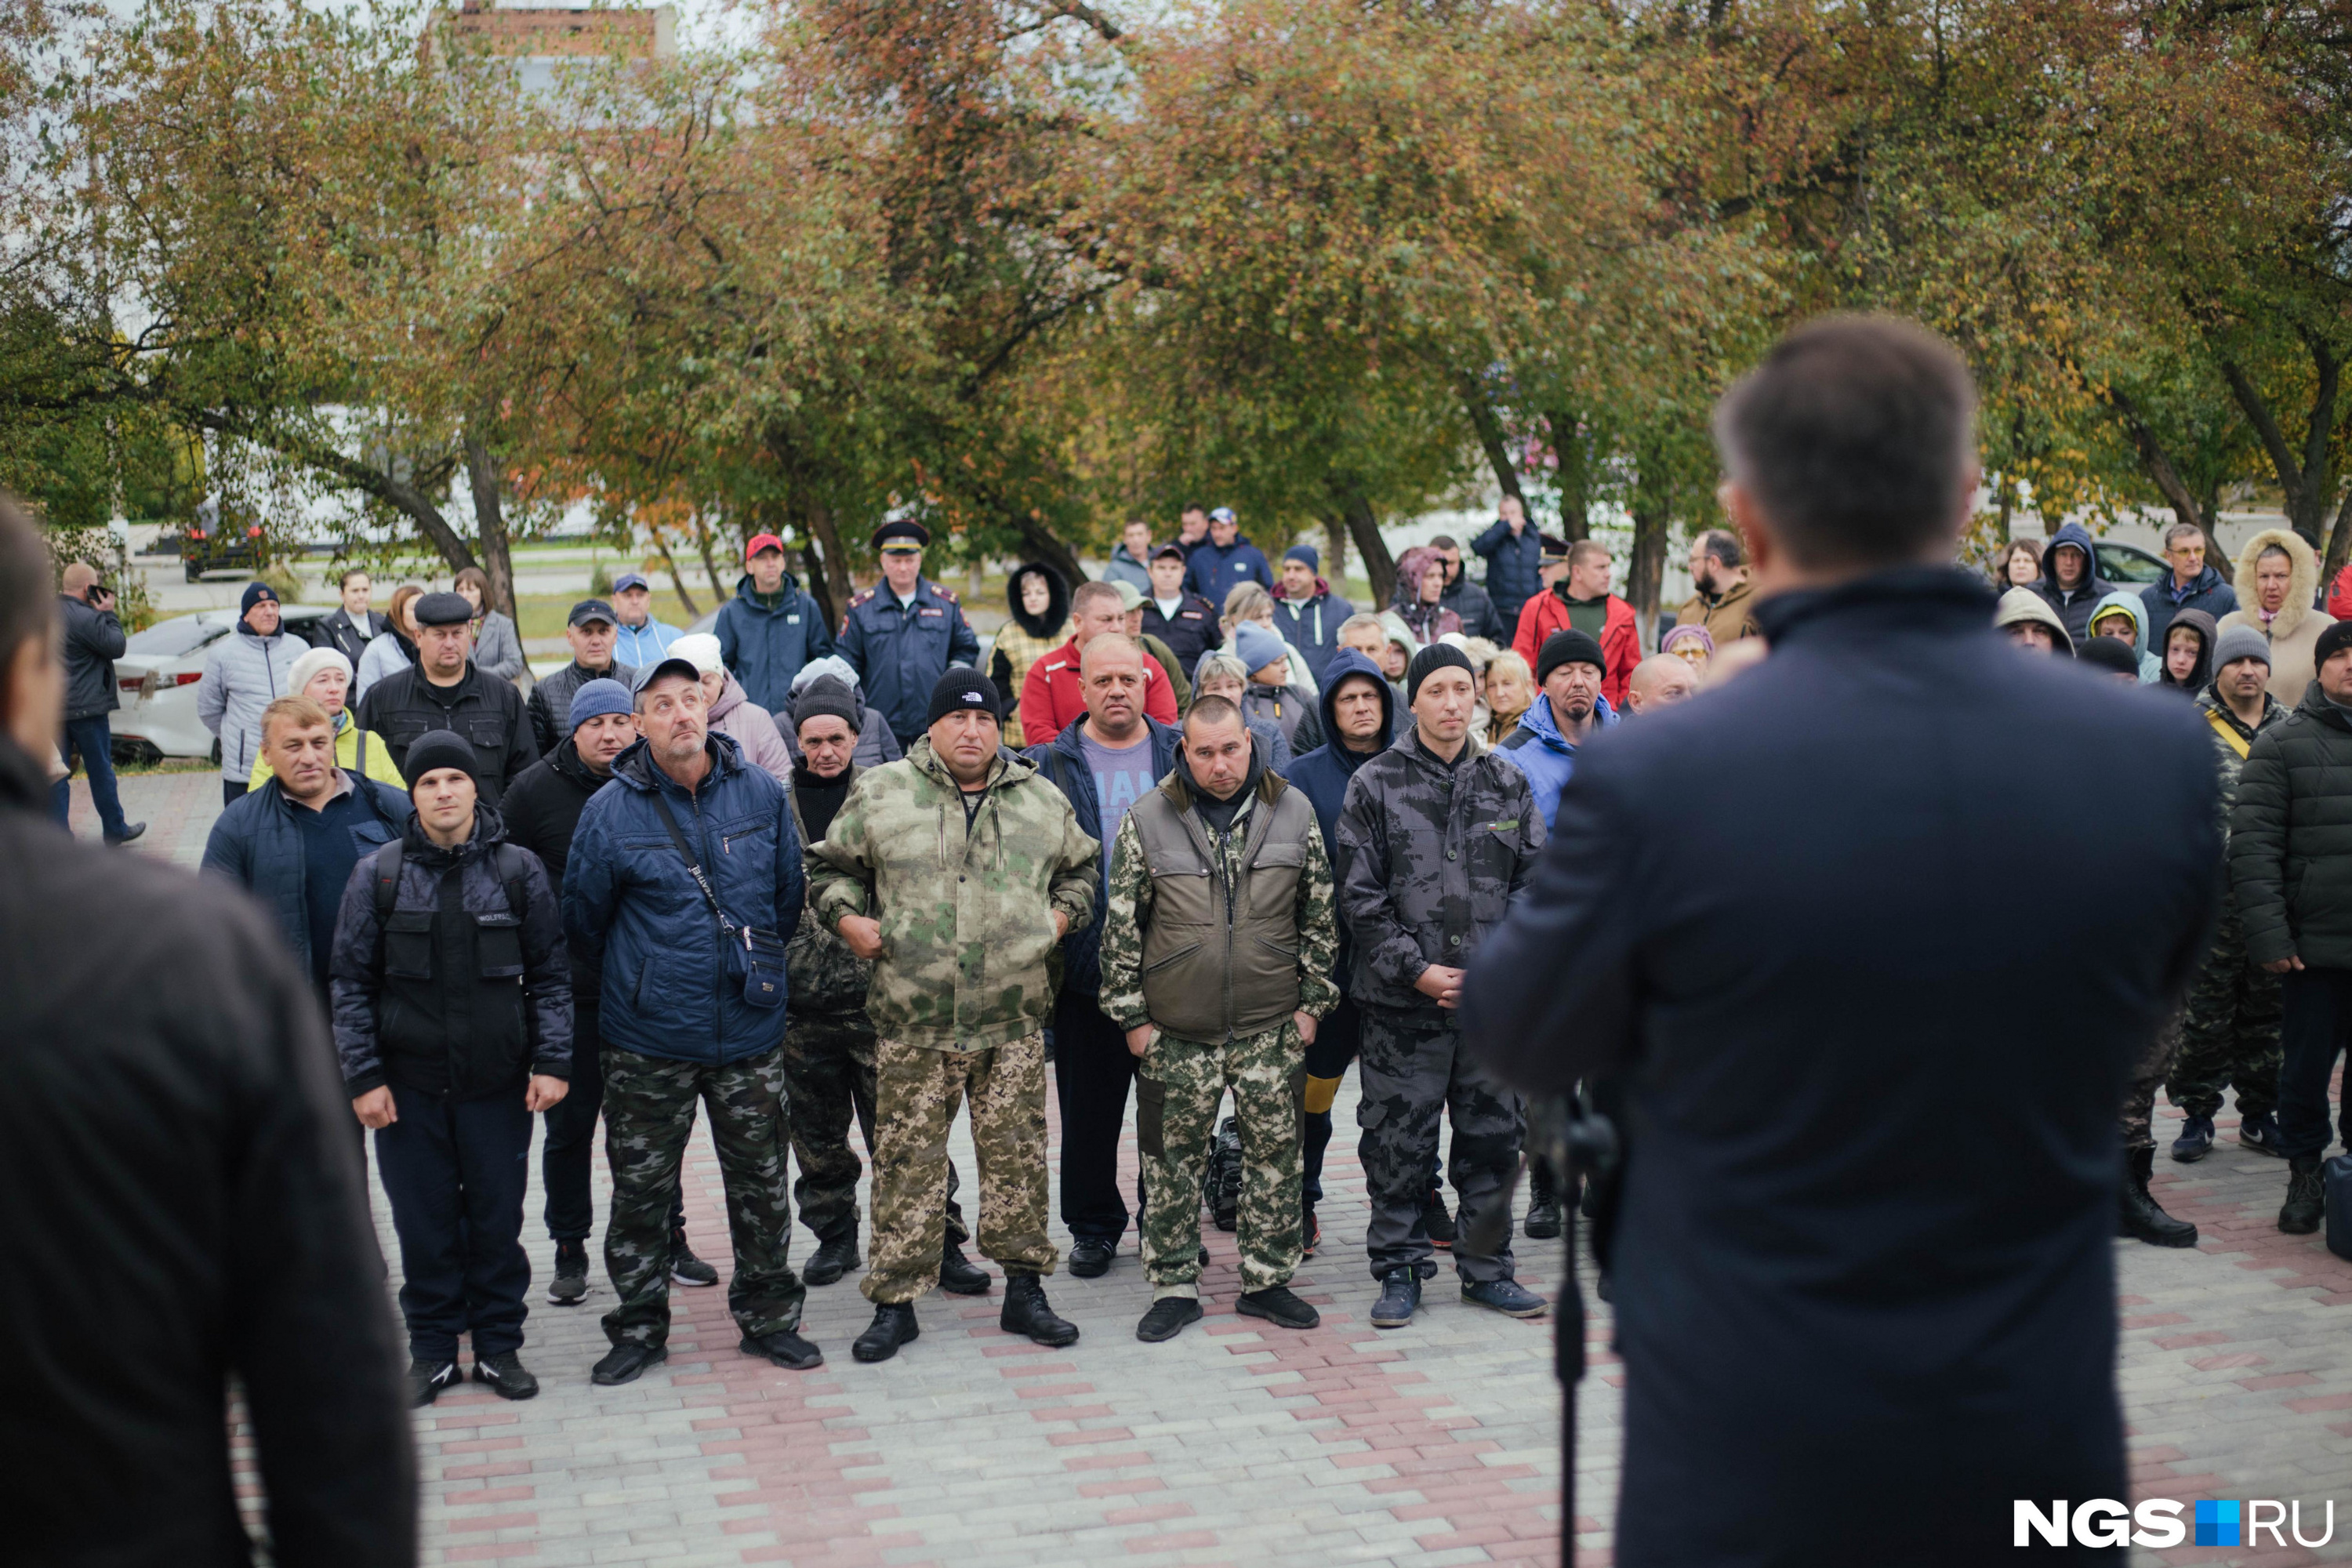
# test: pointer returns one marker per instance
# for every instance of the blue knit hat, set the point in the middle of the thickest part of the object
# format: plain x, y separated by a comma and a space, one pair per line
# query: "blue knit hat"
254, 594
1306, 552
602, 695
1256, 648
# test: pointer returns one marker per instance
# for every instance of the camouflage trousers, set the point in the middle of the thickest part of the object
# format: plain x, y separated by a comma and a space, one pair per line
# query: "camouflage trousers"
2148, 1077
648, 1116
916, 1094
1411, 1073
1177, 1093
2230, 1037
829, 1072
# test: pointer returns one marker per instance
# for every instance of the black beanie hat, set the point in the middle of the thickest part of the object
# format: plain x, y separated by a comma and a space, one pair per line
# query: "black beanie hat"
825, 695
2112, 654
962, 688
440, 749
1569, 646
1437, 656
2334, 637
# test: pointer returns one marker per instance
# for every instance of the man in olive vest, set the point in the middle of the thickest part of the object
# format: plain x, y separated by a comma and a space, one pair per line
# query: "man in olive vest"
1215, 957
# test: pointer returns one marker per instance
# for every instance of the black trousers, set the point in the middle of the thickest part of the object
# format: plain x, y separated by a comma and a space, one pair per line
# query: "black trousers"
2315, 1026
456, 1172
1339, 1039
569, 1154
1093, 1071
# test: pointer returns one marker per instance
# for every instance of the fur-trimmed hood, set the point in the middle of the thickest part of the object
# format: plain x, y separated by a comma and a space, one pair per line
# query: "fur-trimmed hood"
1053, 624
2301, 589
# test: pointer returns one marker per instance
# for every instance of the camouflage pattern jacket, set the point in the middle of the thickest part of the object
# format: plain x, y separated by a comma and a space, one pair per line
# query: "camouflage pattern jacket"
1127, 914
824, 976
967, 913
1433, 856
2232, 740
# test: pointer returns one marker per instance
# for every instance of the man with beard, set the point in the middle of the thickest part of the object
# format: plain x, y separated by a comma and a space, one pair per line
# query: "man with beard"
1722, 600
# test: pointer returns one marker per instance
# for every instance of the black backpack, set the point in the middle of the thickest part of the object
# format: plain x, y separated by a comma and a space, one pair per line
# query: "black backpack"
385, 867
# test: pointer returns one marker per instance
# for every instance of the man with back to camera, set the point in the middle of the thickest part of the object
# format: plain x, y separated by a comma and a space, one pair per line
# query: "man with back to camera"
188, 1128
1795, 1254
443, 690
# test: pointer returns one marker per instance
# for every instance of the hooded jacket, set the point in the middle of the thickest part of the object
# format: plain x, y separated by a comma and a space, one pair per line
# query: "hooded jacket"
1426, 620
630, 904
2291, 837
2294, 632
1514, 567
2201, 676
965, 901
1213, 570
550, 702
1538, 750
357, 751
1282, 707
1322, 775
244, 674
2124, 602
2210, 592
2027, 604
1312, 625
633, 646
462, 990
2073, 608
256, 843
753, 730
1064, 763
1620, 637
92, 641
1026, 638
764, 640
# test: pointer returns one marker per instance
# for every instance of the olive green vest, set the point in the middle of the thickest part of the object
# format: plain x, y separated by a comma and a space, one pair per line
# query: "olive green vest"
1221, 962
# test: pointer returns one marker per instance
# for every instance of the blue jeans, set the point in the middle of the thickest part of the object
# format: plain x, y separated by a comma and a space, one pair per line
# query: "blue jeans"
95, 741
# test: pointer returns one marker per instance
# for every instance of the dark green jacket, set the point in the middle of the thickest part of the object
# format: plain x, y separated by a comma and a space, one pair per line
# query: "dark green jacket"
2291, 838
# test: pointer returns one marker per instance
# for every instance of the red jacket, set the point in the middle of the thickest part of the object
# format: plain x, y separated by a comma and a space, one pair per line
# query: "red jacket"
2339, 598
1052, 699
1620, 641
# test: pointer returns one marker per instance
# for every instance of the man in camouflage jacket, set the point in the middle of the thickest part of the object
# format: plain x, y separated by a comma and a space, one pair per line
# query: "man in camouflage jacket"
1219, 984
958, 869
1436, 837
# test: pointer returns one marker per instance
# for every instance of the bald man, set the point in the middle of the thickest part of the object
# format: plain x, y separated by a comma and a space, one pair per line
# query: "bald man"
1659, 681
93, 640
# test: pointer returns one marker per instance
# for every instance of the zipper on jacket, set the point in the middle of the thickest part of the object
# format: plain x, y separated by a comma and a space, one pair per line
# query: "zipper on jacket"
719, 932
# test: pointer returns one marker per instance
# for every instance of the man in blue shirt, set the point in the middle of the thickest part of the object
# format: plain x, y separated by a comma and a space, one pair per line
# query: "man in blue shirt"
902, 635
639, 639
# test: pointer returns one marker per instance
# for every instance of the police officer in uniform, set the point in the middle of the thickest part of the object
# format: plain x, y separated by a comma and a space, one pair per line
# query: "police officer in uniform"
903, 633
442, 690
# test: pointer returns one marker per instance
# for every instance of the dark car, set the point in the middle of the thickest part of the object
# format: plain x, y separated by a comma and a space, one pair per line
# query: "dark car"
211, 542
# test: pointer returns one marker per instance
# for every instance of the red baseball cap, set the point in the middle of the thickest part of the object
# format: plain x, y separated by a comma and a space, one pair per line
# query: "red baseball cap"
763, 542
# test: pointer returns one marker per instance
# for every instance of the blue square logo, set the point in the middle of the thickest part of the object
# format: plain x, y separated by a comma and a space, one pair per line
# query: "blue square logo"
2216, 1524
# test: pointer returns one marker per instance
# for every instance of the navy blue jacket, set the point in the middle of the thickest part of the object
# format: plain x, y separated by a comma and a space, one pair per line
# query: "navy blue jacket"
2074, 609
2210, 593
899, 655
1322, 775
1213, 569
1513, 568
1063, 763
256, 843
1538, 750
766, 648
631, 906
1312, 626
1787, 917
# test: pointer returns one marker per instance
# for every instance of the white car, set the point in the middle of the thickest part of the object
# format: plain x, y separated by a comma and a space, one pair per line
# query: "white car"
156, 679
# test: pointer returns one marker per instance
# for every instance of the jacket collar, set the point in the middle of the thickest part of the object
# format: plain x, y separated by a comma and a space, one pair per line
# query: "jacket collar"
1009, 768
2316, 705
635, 767
1541, 723
1903, 602
490, 829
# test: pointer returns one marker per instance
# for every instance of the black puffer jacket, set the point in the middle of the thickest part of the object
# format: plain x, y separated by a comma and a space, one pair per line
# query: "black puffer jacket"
2291, 838
183, 1200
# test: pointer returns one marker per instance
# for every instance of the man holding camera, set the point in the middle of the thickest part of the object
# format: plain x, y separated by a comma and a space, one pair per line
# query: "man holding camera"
93, 641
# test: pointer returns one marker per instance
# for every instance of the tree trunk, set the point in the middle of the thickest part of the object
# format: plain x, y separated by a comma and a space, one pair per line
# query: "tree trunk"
491, 526
2306, 484
1335, 548
1490, 434
834, 561
710, 568
676, 579
1645, 571
1575, 475
1379, 566
406, 499
2153, 458
828, 609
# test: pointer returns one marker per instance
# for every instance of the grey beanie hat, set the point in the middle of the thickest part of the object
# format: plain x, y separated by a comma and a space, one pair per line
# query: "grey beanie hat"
2239, 642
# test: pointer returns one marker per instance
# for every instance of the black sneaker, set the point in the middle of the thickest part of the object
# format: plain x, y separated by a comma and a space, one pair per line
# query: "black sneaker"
958, 1275
1399, 1296
506, 1376
1438, 1221
2306, 1198
833, 1259
1090, 1257
426, 1379
894, 1325
570, 1285
785, 1348
1027, 1313
1167, 1319
624, 1363
2261, 1134
1507, 1297
685, 1266
2196, 1139
1277, 1306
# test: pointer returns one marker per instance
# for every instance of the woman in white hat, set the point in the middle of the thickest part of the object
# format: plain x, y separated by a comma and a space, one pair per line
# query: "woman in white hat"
324, 676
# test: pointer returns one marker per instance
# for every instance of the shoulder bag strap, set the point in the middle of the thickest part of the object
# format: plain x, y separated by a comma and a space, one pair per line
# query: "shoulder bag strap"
693, 866
387, 879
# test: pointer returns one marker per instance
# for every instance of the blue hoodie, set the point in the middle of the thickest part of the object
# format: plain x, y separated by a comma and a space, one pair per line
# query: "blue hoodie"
1322, 775
1538, 750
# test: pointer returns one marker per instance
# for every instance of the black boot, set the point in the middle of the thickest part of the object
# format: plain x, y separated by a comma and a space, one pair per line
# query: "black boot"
2306, 1199
894, 1325
570, 1285
1026, 1313
1543, 1203
2139, 1216
834, 1256
958, 1276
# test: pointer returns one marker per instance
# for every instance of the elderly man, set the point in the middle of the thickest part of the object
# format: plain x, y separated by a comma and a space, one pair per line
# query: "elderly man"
244, 672
1568, 709
903, 634
453, 1018
590, 629
955, 870
1216, 955
1111, 757
443, 690
1053, 694
771, 626
93, 640
684, 883
1659, 681
638, 638
1435, 838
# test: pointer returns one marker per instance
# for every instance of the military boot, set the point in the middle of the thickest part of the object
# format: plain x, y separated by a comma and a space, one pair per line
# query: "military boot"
2139, 1216
833, 1257
1543, 1203
2306, 1199
1027, 1313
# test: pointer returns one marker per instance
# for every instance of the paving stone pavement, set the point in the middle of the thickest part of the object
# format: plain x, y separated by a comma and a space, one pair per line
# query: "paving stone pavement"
1237, 1441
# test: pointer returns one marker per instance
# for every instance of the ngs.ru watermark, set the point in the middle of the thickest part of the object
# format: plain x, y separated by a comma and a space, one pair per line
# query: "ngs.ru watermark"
2167, 1521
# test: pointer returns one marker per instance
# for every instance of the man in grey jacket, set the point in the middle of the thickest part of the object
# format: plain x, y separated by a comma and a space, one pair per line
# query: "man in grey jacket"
93, 640
246, 672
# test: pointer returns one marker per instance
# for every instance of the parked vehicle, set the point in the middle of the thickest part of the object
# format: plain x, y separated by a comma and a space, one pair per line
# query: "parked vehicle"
211, 542
2127, 565
156, 678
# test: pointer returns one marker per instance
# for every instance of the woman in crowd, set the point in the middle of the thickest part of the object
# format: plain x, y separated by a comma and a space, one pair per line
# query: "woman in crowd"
498, 650
2020, 566
1692, 645
324, 676
2278, 581
1040, 602
396, 650
1510, 688
1420, 585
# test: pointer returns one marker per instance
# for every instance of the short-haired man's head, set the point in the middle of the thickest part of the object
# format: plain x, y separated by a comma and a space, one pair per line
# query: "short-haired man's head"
298, 712
2182, 531
1095, 608
1585, 550
1722, 546
1211, 711
1857, 440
